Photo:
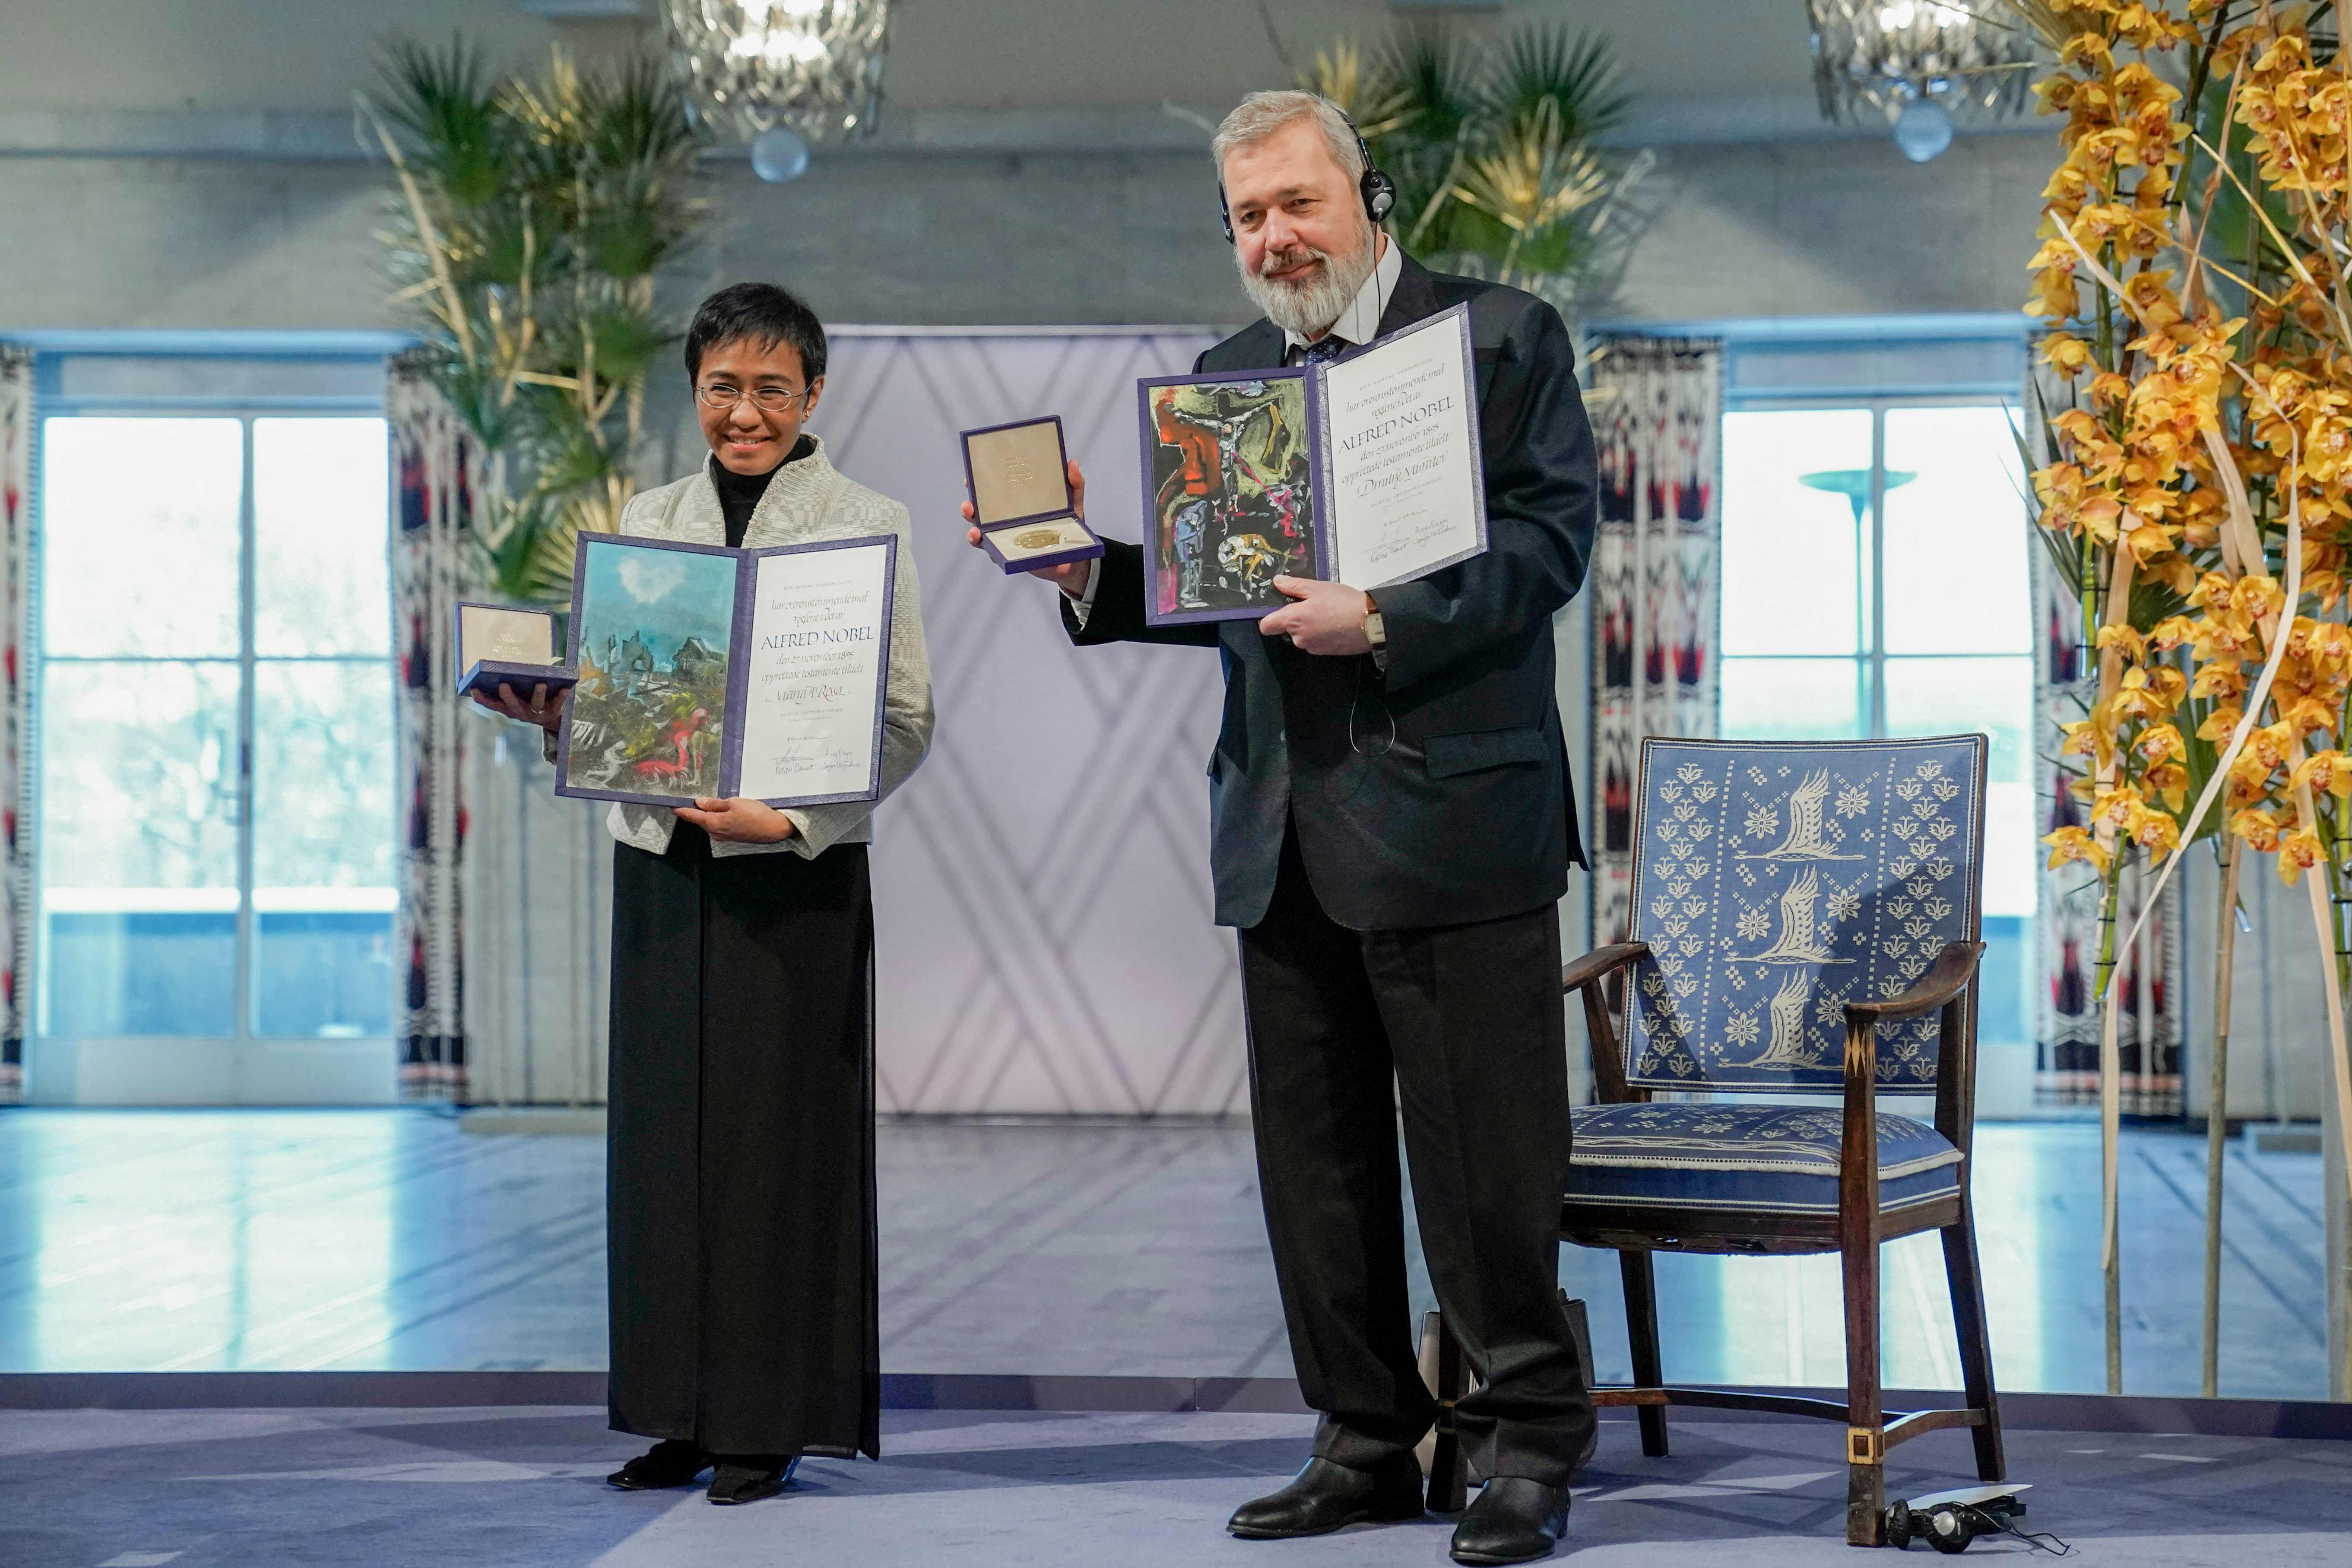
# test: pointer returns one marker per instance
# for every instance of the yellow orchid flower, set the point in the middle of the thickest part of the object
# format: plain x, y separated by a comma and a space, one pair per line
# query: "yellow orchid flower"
2330, 770
2257, 827
2298, 852
2071, 844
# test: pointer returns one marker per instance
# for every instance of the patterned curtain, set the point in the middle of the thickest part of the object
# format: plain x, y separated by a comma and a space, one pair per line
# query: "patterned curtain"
16, 849
1657, 418
437, 464
2066, 1030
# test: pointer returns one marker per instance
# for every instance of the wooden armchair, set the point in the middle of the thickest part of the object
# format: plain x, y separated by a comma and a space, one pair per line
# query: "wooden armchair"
1788, 897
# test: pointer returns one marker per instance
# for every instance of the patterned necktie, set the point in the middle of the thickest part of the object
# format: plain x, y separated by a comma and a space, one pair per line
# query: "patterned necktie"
1325, 349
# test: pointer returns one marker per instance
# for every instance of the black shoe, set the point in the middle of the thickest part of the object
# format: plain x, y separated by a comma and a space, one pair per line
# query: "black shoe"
668, 1463
1514, 1520
748, 1478
1326, 1496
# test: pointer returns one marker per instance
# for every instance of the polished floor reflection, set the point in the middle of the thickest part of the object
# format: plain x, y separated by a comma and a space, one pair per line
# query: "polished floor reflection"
362, 1239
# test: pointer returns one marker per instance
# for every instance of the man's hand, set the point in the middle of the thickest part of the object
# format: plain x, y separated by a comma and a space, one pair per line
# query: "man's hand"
1327, 618
539, 711
738, 821
1070, 577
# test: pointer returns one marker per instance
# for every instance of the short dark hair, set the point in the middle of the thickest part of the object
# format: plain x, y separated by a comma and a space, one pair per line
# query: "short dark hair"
762, 312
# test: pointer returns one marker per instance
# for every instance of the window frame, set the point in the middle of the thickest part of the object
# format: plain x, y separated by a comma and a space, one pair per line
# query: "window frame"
1870, 575
244, 1074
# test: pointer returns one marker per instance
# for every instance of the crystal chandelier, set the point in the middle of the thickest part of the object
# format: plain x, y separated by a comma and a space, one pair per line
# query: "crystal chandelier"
780, 74
1917, 64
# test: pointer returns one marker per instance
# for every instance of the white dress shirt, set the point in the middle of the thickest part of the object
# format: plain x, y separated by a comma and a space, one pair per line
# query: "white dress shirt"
1359, 324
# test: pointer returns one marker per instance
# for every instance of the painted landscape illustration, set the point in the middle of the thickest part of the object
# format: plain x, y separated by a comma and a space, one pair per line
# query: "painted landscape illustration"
1232, 504
648, 715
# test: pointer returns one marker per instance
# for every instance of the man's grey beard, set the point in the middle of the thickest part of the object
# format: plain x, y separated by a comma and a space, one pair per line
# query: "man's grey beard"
1310, 306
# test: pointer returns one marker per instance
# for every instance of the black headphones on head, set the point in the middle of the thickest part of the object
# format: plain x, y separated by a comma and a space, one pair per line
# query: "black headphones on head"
1379, 190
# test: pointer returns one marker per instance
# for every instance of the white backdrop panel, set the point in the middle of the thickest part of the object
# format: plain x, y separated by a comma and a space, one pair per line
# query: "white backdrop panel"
1041, 885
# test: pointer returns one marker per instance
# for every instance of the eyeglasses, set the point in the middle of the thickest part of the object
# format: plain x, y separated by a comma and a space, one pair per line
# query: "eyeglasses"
718, 394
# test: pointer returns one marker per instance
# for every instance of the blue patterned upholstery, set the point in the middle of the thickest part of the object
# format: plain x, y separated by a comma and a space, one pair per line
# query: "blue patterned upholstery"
1776, 882
1770, 1159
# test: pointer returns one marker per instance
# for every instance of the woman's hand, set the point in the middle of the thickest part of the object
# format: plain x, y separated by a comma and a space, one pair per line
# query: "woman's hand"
738, 821
539, 711
1070, 577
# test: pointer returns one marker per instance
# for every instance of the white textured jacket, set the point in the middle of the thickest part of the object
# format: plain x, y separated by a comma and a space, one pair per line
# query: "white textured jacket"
808, 500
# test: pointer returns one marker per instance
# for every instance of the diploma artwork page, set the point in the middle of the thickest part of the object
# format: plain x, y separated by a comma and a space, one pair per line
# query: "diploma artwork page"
709, 671
1365, 471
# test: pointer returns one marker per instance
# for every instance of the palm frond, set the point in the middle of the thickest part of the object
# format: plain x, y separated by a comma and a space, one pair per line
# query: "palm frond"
445, 108
1362, 86
1574, 72
1435, 77
532, 218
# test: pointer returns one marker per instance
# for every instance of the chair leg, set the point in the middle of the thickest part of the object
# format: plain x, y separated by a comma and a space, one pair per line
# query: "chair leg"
1641, 1334
1865, 1432
1966, 1281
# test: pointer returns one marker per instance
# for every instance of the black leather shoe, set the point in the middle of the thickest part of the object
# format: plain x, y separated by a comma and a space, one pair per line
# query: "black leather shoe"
668, 1463
1325, 1496
748, 1478
1513, 1520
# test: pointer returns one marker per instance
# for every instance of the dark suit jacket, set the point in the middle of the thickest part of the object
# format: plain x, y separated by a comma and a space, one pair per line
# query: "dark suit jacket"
1469, 814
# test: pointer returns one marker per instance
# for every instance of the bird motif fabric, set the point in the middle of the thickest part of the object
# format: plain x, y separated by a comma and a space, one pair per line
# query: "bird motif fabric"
1775, 883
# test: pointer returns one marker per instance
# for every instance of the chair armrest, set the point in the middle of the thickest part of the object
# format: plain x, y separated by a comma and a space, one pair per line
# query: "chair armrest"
1601, 963
1954, 968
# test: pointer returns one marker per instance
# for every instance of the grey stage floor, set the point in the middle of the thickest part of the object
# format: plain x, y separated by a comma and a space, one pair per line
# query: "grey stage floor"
390, 1239
432, 1487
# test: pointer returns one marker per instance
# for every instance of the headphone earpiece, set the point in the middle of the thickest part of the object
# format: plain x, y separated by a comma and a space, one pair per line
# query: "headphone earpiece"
1378, 190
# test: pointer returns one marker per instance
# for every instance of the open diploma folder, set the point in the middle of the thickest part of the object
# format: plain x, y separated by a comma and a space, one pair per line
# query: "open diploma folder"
497, 644
1363, 471
710, 671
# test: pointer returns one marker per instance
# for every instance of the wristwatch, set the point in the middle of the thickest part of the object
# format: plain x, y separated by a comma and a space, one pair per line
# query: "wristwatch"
1377, 630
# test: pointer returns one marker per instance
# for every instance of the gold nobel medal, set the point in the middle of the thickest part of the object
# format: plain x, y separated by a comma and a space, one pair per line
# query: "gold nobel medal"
1037, 538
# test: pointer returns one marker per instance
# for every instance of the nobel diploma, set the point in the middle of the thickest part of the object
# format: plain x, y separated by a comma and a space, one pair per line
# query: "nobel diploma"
819, 654
1400, 457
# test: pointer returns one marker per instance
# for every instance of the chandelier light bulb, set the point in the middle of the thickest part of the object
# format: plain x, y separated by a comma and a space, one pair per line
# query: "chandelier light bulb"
779, 156
1923, 130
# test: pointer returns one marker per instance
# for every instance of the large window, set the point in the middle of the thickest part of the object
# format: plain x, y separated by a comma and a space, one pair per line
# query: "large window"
1874, 584
215, 729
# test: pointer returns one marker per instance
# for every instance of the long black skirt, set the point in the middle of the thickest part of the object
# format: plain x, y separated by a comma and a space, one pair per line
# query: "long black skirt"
740, 1178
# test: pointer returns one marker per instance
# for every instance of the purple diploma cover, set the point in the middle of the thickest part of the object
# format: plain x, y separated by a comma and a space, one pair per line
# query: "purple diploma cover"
1364, 470
705, 671
1019, 476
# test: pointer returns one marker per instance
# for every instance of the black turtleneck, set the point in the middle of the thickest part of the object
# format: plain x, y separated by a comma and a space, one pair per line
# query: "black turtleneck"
739, 494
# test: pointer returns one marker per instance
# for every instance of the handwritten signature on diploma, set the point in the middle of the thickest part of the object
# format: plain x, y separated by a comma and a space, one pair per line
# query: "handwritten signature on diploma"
800, 757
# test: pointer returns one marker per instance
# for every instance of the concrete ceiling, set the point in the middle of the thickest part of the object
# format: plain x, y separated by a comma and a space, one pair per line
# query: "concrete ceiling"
299, 56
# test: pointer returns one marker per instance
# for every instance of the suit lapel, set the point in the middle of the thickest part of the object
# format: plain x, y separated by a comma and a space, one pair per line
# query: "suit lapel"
1265, 350
1413, 298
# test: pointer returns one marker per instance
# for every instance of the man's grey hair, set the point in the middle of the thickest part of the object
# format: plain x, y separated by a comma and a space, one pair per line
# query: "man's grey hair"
1261, 115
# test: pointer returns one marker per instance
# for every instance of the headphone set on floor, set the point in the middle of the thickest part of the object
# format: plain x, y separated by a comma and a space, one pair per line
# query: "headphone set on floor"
1949, 1521
1379, 190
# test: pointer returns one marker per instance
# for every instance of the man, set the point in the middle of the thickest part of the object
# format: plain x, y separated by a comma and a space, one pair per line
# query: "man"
1392, 827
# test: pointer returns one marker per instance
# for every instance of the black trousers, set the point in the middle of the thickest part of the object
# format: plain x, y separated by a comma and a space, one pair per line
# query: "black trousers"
740, 1171
1466, 1023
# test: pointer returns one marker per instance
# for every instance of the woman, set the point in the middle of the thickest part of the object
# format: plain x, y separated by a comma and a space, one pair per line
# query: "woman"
740, 1178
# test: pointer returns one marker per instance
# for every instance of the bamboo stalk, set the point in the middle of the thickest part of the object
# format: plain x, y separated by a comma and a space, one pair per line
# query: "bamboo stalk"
2117, 613
2216, 1108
